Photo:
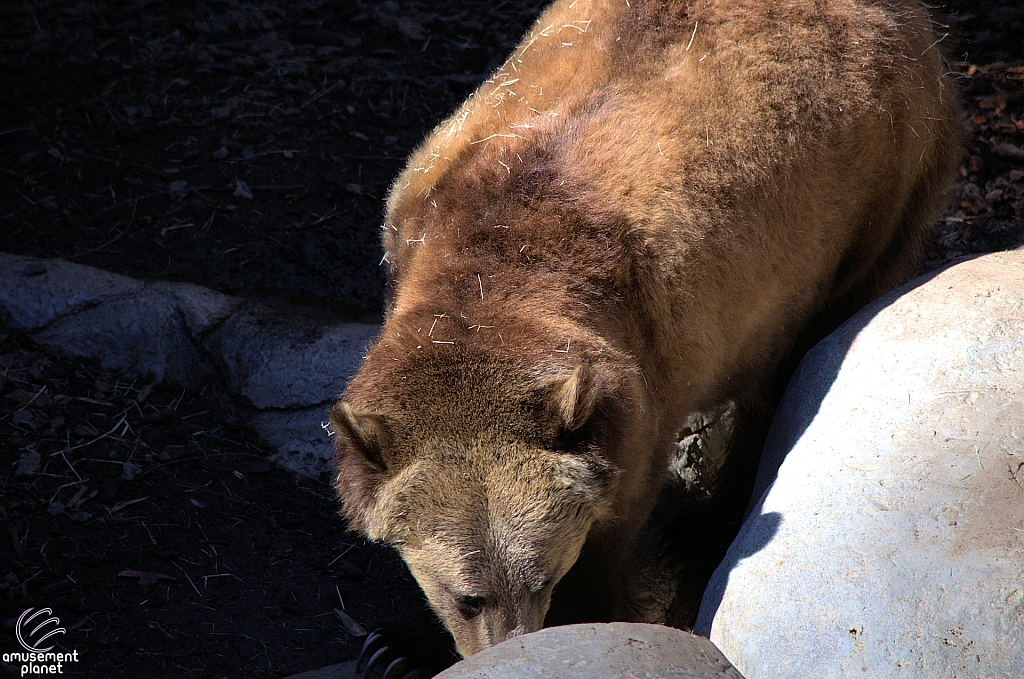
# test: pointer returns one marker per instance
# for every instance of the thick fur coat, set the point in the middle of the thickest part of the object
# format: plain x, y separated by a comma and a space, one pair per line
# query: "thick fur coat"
633, 219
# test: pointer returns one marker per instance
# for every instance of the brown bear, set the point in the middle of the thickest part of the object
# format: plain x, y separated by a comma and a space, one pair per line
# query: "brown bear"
633, 219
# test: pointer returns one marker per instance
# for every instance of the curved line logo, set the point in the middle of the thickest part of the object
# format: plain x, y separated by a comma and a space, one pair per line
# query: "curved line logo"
27, 619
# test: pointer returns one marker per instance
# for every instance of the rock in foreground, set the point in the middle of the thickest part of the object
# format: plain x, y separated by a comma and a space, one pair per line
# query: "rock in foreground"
890, 541
598, 651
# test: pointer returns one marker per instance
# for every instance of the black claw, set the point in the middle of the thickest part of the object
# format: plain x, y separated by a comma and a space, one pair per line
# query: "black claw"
376, 659
379, 652
396, 666
370, 642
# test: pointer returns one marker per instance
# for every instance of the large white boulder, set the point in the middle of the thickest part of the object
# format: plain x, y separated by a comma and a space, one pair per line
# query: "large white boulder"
887, 537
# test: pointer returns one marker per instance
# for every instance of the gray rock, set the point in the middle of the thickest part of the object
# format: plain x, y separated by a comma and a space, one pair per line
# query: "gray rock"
133, 328
701, 451
299, 438
201, 309
345, 670
138, 335
276, 361
284, 370
35, 293
596, 651
888, 540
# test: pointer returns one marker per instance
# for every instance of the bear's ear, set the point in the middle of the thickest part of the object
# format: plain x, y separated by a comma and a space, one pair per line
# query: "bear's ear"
364, 433
574, 397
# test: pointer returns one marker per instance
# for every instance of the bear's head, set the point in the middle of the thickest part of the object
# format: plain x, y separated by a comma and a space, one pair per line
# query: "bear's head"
485, 477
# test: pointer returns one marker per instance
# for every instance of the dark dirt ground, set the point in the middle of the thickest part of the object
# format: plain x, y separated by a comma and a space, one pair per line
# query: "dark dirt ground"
128, 127
165, 542
247, 147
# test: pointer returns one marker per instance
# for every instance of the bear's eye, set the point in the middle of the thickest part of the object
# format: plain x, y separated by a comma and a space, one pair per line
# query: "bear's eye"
470, 606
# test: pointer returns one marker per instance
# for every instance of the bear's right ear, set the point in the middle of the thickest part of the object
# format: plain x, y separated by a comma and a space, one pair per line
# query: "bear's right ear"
365, 433
574, 398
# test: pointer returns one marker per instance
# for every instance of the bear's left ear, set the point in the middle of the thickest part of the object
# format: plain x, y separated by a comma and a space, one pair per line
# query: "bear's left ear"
360, 443
365, 433
574, 398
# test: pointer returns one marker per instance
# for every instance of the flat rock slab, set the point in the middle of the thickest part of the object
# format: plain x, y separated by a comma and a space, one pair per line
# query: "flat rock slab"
598, 651
889, 539
283, 371
345, 670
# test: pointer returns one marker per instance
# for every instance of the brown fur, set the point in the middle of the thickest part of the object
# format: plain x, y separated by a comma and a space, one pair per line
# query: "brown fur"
633, 219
